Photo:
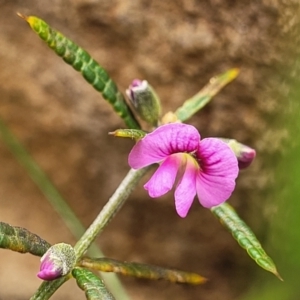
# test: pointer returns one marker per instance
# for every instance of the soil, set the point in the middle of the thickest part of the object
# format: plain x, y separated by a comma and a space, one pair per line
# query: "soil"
63, 123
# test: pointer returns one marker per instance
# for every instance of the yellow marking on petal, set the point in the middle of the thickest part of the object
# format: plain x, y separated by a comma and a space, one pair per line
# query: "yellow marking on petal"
188, 160
193, 160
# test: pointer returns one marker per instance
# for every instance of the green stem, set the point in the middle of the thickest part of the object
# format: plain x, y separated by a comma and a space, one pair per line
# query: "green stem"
113, 205
109, 210
48, 288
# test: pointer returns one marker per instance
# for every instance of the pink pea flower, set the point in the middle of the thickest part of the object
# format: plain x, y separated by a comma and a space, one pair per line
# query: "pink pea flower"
205, 167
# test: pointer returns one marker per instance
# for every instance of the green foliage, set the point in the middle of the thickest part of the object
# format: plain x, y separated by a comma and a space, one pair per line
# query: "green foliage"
92, 285
244, 236
141, 270
21, 240
81, 61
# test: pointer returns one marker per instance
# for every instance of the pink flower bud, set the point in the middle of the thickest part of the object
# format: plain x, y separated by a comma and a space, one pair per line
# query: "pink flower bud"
58, 261
145, 101
246, 156
243, 153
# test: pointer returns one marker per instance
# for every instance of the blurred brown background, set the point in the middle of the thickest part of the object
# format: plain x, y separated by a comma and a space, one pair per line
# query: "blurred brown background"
63, 122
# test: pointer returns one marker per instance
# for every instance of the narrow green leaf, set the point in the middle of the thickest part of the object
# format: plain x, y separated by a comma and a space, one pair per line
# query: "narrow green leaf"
198, 101
92, 285
81, 61
244, 236
135, 134
141, 270
21, 240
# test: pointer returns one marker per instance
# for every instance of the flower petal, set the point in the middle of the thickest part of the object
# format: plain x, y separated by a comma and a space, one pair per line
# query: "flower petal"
49, 274
162, 142
163, 179
219, 169
186, 189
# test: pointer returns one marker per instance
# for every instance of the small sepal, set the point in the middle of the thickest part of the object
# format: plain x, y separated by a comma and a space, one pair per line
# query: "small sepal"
134, 134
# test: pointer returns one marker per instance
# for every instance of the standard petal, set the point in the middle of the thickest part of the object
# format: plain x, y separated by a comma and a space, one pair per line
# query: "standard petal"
219, 168
216, 158
162, 142
186, 189
163, 179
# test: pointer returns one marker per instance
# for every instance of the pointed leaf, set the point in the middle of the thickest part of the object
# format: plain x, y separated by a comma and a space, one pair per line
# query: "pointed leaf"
92, 285
21, 240
81, 61
244, 236
198, 101
141, 270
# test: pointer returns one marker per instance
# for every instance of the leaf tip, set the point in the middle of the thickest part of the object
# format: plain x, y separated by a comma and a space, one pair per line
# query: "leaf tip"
194, 279
233, 73
115, 133
201, 280
22, 16
278, 275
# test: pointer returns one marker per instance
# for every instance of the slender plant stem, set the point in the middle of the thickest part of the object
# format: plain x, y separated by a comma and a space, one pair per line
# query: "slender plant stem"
48, 288
113, 205
109, 210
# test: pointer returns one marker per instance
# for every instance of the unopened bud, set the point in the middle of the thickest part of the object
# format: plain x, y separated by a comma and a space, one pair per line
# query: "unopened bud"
58, 261
244, 154
145, 101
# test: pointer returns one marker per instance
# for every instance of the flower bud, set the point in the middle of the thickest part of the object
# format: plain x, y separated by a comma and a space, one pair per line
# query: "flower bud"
244, 154
145, 101
58, 261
